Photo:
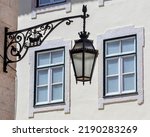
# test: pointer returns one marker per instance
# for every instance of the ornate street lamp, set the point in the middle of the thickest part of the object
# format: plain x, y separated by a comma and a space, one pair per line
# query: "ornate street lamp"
83, 55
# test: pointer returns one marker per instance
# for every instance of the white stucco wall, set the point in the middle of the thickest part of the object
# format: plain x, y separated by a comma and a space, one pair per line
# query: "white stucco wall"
84, 99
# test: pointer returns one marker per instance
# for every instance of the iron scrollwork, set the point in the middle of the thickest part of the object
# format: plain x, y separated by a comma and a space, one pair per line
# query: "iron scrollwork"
17, 43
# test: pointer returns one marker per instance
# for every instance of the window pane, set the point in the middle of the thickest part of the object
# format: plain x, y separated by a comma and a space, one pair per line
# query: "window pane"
42, 77
128, 45
43, 2
43, 59
57, 75
128, 82
112, 84
57, 57
112, 47
57, 92
112, 66
42, 93
57, 1
128, 64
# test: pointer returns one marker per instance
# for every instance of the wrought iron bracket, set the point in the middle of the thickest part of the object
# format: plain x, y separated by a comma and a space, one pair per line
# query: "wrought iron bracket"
17, 43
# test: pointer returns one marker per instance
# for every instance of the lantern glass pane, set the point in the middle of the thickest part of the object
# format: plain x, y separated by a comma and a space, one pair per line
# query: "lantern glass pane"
89, 59
77, 59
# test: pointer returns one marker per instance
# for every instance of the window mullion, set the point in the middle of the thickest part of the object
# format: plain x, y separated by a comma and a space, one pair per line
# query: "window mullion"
106, 86
63, 83
135, 73
120, 70
120, 74
50, 80
36, 84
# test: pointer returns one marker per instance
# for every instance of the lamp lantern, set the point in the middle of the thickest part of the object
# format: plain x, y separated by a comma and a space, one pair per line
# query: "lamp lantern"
83, 55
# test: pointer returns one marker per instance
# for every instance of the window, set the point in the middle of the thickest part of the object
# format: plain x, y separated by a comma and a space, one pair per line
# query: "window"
120, 66
49, 77
48, 2
49, 88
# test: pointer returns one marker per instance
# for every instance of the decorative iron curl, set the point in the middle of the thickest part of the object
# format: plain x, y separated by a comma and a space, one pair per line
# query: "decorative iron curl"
14, 46
68, 22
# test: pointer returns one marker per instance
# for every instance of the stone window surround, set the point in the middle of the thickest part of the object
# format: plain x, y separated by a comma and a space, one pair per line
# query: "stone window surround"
45, 108
67, 6
114, 33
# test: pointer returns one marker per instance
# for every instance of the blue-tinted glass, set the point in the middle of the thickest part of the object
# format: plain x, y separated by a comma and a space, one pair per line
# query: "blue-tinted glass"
57, 1
43, 2
128, 82
57, 92
57, 57
42, 93
43, 59
57, 75
128, 45
112, 84
112, 66
128, 64
42, 77
113, 47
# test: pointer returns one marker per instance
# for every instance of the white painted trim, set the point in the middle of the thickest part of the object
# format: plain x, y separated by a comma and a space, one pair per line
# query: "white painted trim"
38, 10
114, 33
49, 45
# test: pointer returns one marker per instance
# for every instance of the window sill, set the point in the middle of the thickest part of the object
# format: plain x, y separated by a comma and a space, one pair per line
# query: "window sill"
49, 104
47, 108
120, 95
119, 99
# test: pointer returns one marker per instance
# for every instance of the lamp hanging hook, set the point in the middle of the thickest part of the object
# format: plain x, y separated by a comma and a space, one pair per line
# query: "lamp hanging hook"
84, 34
84, 10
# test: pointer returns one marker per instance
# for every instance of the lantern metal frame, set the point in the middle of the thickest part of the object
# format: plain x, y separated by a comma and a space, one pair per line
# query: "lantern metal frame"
17, 43
84, 49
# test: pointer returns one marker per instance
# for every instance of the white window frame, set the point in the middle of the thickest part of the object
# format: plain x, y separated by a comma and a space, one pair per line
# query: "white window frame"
48, 45
49, 68
49, 8
116, 33
120, 56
